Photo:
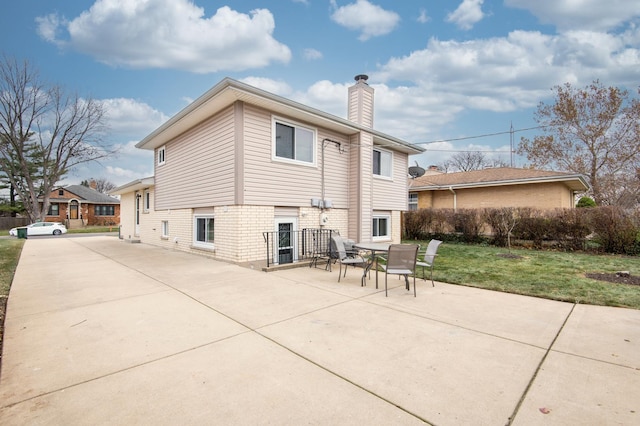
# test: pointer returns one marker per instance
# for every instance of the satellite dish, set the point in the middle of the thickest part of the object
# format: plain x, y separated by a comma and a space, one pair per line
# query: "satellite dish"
416, 171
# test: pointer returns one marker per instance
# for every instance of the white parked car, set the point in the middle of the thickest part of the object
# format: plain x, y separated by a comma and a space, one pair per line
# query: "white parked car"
42, 228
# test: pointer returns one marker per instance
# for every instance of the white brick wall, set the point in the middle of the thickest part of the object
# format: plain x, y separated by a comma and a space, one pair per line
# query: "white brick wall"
238, 229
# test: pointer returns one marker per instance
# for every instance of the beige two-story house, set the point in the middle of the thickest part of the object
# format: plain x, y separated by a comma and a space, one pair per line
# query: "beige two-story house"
240, 162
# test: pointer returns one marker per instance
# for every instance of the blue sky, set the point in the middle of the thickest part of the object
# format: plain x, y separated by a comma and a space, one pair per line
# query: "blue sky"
443, 70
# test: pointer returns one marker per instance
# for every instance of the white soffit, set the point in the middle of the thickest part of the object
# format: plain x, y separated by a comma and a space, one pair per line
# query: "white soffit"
229, 91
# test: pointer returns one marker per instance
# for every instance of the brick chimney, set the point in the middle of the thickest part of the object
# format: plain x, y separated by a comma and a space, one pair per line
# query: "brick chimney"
93, 185
361, 102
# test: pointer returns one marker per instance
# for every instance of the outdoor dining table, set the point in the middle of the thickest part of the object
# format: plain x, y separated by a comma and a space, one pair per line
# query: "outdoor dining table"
375, 249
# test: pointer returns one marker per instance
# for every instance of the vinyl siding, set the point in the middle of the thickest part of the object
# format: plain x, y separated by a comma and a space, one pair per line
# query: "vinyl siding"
277, 183
360, 186
386, 192
360, 108
199, 168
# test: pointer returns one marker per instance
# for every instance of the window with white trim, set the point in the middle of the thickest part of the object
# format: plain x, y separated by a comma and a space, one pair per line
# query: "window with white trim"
413, 201
104, 210
54, 210
382, 161
164, 228
381, 227
203, 231
147, 201
293, 142
161, 155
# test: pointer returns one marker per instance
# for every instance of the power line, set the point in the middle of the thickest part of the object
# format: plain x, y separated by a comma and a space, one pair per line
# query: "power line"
467, 150
481, 136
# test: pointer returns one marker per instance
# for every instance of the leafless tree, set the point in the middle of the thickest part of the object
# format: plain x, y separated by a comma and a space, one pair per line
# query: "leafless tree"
594, 131
46, 132
467, 161
102, 184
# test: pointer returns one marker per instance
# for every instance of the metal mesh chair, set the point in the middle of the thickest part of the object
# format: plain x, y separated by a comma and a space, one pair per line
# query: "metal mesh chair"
401, 260
429, 258
346, 257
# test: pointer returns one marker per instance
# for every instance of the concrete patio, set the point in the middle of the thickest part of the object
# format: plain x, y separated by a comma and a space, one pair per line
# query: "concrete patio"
103, 332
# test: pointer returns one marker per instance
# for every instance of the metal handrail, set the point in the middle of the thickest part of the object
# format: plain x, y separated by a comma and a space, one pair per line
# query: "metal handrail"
308, 243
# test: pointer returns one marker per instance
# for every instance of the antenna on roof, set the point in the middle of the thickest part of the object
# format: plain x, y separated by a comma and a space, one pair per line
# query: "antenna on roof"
416, 171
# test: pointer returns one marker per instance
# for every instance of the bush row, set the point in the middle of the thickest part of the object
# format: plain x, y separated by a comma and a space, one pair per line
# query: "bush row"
607, 229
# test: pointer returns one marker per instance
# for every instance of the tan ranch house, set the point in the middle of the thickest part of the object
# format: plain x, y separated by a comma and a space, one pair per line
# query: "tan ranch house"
240, 161
496, 187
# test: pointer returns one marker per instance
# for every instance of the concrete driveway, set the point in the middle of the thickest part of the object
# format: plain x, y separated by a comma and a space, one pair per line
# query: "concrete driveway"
103, 332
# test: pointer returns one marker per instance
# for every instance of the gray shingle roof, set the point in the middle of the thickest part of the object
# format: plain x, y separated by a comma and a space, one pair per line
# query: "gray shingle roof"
91, 195
498, 176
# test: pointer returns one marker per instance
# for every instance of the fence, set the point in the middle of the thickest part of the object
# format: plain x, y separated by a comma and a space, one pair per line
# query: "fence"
12, 222
287, 246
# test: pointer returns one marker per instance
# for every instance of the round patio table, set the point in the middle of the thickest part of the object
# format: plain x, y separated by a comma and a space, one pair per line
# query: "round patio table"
375, 249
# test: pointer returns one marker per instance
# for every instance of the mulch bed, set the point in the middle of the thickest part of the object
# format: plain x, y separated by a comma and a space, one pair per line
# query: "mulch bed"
614, 278
509, 255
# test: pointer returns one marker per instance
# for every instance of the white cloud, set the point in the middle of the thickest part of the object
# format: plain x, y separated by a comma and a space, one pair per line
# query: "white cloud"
514, 72
467, 14
169, 34
325, 96
277, 87
312, 54
131, 117
592, 15
423, 17
400, 111
371, 20
119, 172
48, 27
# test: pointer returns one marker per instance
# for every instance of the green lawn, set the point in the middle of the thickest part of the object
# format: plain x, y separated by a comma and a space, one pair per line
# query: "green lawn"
85, 230
548, 274
9, 254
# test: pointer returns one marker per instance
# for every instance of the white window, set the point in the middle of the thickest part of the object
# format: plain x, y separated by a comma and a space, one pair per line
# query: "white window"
413, 201
382, 161
203, 231
147, 201
164, 228
293, 142
161, 153
381, 227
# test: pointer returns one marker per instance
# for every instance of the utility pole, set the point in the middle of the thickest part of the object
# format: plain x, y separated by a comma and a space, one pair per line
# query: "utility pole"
511, 143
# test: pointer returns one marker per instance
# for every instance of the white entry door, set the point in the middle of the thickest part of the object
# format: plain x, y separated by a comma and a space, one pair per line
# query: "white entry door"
286, 241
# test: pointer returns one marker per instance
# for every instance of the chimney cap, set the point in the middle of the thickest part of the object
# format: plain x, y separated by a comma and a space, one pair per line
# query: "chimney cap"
361, 77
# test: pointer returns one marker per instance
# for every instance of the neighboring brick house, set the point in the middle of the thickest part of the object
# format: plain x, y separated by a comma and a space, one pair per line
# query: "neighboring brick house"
240, 161
497, 187
78, 205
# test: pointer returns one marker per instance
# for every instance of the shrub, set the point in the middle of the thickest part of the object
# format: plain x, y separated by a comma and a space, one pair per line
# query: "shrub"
532, 226
586, 202
467, 222
502, 222
570, 228
413, 224
614, 229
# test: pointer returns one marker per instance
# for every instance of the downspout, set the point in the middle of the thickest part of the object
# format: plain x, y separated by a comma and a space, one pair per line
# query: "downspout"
455, 198
339, 145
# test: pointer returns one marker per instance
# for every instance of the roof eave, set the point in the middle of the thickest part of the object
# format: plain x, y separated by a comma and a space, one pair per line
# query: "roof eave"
229, 91
576, 183
133, 186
